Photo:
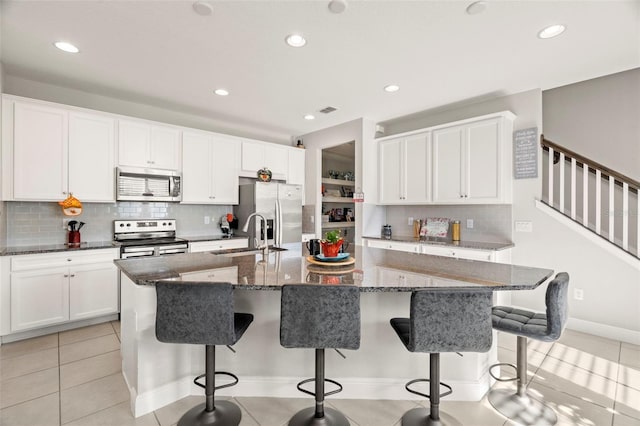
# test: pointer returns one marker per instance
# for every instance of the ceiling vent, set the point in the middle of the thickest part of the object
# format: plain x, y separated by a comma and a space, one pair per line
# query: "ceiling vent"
327, 110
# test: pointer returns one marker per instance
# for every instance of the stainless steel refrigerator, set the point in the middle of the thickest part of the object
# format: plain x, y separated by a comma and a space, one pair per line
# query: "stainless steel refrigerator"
279, 203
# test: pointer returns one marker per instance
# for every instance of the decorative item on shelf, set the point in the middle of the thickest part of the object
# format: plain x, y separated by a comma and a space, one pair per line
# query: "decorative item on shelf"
264, 174
331, 243
300, 144
417, 226
349, 176
455, 230
71, 206
435, 227
386, 232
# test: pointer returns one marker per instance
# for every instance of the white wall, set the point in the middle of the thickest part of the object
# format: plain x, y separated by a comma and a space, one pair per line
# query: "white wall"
599, 119
361, 131
33, 89
611, 305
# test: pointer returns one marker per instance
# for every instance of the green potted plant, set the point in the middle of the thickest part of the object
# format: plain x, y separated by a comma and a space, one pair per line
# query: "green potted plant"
331, 243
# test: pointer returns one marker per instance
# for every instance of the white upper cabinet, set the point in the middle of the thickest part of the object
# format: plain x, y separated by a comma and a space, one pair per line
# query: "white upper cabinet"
472, 161
405, 170
91, 157
210, 164
56, 152
256, 155
145, 145
40, 136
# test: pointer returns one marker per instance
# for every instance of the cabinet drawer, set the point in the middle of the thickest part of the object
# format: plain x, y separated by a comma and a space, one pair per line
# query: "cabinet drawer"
395, 245
48, 260
218, 245
461, 253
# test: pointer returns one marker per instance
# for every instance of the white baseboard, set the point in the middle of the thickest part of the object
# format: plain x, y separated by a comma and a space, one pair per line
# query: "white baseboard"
285, 387
13, 337
603, 330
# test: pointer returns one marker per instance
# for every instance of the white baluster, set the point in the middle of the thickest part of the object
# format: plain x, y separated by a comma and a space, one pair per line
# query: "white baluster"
612, 211
562, 182
550, 194
585, 194
573, 188
598, 200
625, 215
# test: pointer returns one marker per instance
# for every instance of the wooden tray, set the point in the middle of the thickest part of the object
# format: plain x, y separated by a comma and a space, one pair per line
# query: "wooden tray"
348, 261
330, 271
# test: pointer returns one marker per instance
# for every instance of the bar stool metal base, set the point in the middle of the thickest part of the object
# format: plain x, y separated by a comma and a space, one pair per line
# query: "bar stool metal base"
226, 414
421, 417
523, 409
307, 417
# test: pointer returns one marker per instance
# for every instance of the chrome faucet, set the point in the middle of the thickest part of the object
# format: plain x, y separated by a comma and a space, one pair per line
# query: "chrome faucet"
265, 241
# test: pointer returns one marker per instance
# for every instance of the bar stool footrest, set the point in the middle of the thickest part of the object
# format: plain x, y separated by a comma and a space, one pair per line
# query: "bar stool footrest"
222, 373
506, 364
406, 386
313, 393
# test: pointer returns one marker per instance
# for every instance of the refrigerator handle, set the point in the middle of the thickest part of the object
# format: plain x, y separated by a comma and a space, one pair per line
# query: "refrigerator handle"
278, 224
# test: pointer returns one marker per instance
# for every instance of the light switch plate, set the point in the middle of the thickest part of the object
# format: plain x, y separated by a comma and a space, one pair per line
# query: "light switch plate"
524, 226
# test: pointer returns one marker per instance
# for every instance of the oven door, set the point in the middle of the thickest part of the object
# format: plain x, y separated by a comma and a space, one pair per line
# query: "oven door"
142, 251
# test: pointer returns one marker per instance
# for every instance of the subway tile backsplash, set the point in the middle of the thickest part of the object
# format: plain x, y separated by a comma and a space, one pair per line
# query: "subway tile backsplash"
491, 223
30, 223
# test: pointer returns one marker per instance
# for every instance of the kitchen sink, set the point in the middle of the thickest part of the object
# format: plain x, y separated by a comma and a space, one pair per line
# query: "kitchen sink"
246, 251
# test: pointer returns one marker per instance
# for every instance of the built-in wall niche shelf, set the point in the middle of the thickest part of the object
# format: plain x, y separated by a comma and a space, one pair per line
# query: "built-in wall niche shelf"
329, 199
342, 182
336, 225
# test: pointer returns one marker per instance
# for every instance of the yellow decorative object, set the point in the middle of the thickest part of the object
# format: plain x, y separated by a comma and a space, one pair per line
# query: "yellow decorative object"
71, 206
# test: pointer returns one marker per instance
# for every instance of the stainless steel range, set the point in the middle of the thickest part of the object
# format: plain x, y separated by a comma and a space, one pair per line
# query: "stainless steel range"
150, 237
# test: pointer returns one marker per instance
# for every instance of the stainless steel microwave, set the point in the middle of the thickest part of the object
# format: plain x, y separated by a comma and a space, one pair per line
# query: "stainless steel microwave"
140, 184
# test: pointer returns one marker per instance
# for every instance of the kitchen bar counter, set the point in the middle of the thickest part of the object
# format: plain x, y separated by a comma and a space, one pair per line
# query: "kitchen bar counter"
158, 373
476, 245
370, 272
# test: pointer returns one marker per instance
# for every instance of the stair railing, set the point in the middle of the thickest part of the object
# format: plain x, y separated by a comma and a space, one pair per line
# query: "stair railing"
628, 185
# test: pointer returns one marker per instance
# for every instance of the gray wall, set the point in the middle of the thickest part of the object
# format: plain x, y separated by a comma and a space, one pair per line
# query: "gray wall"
34, 223
180, 116
599, 119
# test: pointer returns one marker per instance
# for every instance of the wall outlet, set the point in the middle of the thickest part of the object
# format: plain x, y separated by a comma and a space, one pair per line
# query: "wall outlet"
469, 223
410, 221
578, 294
524, 226
207, 220
313, 219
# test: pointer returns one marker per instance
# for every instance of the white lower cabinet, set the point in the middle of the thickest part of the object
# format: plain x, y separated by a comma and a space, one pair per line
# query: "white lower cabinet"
447, 251
48, 289
39, 298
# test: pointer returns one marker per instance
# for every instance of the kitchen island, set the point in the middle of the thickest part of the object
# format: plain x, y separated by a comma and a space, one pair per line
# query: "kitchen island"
158, 373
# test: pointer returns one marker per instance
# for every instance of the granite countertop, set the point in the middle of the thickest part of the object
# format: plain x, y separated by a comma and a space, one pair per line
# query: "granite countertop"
445, 242
52, 248
375, 270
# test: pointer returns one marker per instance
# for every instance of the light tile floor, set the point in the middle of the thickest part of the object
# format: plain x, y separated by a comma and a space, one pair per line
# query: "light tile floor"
73, 378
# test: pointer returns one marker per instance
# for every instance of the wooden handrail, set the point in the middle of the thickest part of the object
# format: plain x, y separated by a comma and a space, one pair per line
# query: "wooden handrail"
605, 170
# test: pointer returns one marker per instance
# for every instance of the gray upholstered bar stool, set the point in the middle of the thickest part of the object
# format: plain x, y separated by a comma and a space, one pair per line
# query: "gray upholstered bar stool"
319, 317
526, 324
202, 314
443, 320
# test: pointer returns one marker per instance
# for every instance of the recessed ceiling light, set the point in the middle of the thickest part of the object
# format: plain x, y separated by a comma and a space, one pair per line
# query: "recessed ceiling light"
337, 6
391, 88
221, 92
203, 8
67, 47
476, 7
295, 40
552, 31
309, 117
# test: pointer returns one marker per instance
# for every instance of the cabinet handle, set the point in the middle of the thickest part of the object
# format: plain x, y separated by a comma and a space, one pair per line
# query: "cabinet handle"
68, 260
66, 275
211, 197
72, 275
